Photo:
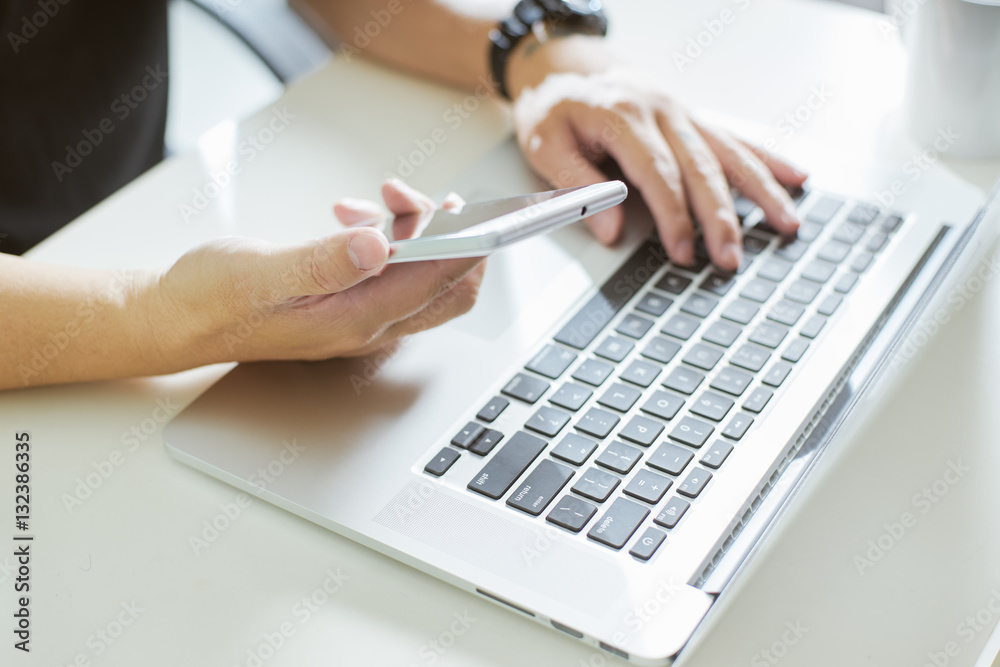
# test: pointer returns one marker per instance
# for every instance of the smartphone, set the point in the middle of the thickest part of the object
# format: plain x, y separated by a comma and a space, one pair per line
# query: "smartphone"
478, 229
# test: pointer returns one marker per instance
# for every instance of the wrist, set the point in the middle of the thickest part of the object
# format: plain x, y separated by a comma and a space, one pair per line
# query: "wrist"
534, 59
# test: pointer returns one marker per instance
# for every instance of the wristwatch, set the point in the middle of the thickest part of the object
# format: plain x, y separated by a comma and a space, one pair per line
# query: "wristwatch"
582, 16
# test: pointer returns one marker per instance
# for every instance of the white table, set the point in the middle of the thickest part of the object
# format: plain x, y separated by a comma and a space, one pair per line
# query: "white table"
107, 541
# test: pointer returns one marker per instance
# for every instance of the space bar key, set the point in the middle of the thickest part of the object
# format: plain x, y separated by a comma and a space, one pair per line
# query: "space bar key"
507, 465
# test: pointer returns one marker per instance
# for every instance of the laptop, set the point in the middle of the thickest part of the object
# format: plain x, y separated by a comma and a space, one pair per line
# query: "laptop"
600, 444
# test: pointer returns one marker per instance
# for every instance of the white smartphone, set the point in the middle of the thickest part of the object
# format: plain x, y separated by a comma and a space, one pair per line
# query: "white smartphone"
478, 229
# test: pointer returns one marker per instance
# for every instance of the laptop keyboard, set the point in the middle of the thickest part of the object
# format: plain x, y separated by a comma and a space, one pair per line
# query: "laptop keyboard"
651, 385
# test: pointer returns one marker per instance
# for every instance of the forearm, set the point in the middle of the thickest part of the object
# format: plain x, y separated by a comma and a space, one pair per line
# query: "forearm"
65, 324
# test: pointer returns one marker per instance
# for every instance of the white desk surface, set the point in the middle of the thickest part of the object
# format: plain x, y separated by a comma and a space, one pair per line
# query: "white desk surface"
128, 542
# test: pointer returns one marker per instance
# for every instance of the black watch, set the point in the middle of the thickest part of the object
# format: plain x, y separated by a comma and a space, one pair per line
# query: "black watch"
583, 16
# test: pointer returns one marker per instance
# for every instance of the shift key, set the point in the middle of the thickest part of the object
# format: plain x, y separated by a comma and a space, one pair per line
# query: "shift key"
507, 465
537, 491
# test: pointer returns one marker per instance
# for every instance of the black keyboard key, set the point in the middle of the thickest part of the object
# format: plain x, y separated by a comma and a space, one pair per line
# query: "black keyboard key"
492, 409
732, 381
829, 304
834, 251
574, 449
526, 388
695, 483
581, 330
619, 457
740, 311
863, 214
845, 282
692, 432
593, 372
785, 312
777, 374
758, 290
716, 454
861, 261
722, 333
634, 326
597, 423
849, 233
619, 523
680, 326
774, 269
468, 435
620, 397
663, 405
795, 349
803, 291
818, 270
614, 348
813, 326
684, 380
670, 458
892, 223
758, 399
674, 283
641, 373
808, 231
641, 430
769, 335
791, 250
440, 464
718, 283
699, 305
571, 513
824, 210
703, 356
653, 304
596, 484
661, 349
738, 425
646, 546
548, 421
712, 406
551, 361
672, 512
571, 396
486, 442
509, 463
648, 486
751, 357
539, 488
754, 245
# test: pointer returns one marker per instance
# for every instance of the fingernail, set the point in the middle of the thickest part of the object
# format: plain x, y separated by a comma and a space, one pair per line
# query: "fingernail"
368, 251
685, 251
731, 255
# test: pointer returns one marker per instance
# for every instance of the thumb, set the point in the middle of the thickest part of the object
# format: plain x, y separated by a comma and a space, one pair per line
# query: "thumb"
330, 264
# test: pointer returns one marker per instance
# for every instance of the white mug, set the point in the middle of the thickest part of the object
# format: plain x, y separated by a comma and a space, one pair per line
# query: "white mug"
953, 78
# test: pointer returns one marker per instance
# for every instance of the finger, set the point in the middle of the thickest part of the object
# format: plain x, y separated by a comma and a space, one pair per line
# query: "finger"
351, 211
553, 151
413, 209
748, 174
784, 171
324, 266
647, 161
707, 190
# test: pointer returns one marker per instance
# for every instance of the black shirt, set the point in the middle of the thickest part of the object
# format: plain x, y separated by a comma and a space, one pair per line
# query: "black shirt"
83, 105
